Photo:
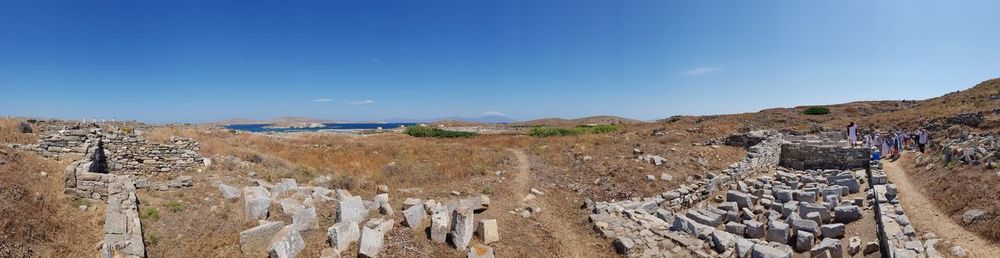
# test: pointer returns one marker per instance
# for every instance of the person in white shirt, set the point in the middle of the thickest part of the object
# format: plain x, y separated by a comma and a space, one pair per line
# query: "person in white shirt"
852, 134
922, 140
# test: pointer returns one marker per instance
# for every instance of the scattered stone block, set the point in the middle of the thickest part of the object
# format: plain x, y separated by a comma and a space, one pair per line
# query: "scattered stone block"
461, 227
256, 201
804, 240
871, 247
487, 231
255, 241
829, 247
480, 251
972, 215
765, 251
440, 225
736, 228
755, 229
778, 232
229, 192
286, 243
414, 216
847, 213
305, 219
623, 245
835, 230
742, 199
351, 209
343, 234
371, 242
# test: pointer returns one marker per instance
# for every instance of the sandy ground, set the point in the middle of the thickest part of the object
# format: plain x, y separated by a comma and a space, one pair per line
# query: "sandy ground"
926, 217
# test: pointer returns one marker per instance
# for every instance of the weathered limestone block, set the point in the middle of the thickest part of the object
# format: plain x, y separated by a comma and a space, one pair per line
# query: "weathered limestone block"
804, 240
305, 219
778, 232
835, 230
755, 229
462, 227
847, 213
414, 216
229, 192
736, 228
371, 242
343, 234
286, 243
487, 231
765, 251
829, 246
256, 201
351, 209
742, 199
440, 225
255, 241
624, 245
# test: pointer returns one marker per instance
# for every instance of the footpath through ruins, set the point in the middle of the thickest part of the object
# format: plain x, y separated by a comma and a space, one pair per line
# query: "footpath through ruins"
792, 196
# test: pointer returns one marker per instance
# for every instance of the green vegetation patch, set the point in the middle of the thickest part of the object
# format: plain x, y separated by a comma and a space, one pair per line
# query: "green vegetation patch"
816, 111
427, 131
150, 214
175, 206
578, 130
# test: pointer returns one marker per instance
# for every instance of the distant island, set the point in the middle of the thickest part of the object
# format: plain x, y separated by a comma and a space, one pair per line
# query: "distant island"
296, 125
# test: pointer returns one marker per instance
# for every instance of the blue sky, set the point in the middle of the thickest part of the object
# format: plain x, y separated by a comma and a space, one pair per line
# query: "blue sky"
192, 61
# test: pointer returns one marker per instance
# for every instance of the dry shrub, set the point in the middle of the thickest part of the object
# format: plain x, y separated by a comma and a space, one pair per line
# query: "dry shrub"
10, 132
63, 231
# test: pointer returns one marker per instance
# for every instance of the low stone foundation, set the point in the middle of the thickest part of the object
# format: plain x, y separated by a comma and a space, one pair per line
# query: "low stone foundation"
822, 153
122, 227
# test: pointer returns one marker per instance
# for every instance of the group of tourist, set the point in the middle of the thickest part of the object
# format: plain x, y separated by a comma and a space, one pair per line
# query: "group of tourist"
889, 144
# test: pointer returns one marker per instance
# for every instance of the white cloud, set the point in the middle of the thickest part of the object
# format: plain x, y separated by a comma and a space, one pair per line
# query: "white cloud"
322, 100
363, 102
700, 71
493, 113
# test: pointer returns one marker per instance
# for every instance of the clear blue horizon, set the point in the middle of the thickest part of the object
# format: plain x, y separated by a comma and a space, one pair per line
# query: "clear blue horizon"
197, 61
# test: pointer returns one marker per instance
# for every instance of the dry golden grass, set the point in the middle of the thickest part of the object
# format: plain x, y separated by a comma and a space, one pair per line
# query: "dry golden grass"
10, 132
37, 220
393, 159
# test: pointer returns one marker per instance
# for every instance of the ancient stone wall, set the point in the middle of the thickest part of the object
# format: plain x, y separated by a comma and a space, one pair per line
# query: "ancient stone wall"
88, 177
810, 154
126, 151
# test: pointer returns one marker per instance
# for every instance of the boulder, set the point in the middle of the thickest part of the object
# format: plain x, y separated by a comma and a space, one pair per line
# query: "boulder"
286, 243
414, 216
487, 231
229, 192
371, 242
256, 201
971, 215
255, 241
351, 209
623, 245
343, 234
462, 227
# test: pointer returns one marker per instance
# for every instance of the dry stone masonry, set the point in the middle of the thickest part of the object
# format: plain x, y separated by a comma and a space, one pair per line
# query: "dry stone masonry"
901, 237
758, 210
122, 227
126, 151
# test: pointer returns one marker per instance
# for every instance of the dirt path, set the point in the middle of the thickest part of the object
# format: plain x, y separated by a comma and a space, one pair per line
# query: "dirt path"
928, 218
569, 237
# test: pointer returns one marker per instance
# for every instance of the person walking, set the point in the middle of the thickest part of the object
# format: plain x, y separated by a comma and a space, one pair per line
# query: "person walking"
922, 140
852, 133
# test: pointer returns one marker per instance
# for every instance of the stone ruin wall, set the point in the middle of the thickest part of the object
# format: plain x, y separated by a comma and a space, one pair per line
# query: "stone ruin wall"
126, 150
823, 152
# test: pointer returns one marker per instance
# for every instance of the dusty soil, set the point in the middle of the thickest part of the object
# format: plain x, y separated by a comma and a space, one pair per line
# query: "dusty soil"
926, 215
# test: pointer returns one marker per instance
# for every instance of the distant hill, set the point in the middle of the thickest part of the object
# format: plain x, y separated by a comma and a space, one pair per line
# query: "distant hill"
482, 120
579, 121
287, 120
